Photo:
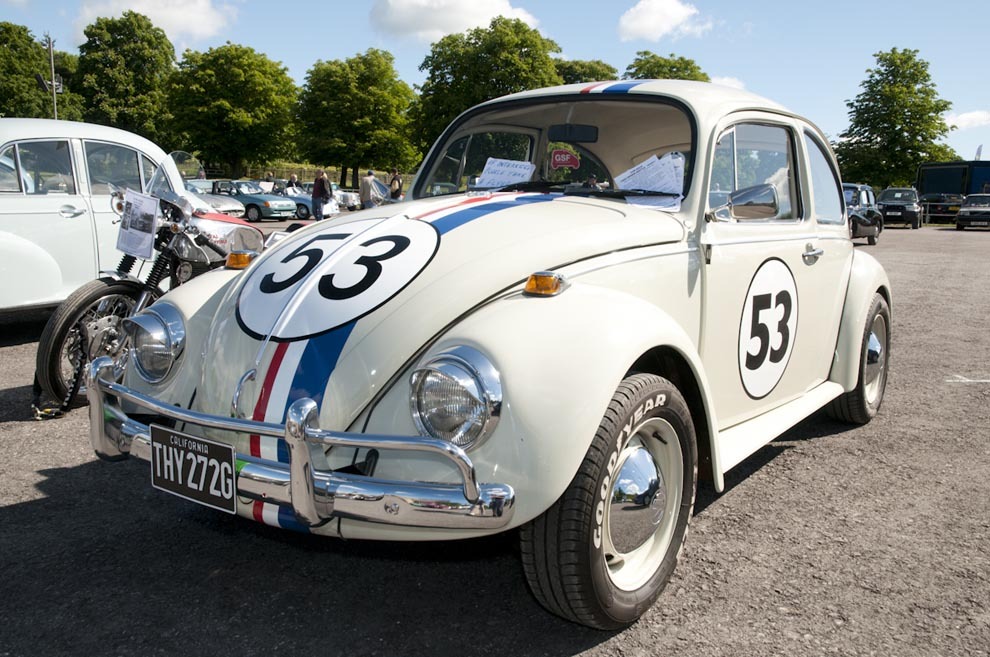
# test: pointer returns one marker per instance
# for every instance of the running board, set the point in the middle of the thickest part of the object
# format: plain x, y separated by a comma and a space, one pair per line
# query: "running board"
738, 442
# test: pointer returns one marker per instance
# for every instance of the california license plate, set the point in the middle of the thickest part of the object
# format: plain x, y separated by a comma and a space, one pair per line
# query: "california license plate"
193, 468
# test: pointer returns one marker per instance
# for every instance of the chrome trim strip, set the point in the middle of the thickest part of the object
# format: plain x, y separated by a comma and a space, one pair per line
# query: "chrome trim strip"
314, 495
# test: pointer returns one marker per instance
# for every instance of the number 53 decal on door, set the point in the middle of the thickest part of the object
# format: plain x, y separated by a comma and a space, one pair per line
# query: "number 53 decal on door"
768, 327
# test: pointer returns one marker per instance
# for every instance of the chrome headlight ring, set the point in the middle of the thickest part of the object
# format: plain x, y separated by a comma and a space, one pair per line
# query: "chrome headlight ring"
157, 338
456, 396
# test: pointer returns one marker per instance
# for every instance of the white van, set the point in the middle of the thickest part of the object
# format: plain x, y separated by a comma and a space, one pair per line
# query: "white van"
57, 227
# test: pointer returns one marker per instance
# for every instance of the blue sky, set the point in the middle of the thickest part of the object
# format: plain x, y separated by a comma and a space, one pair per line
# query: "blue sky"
809, 56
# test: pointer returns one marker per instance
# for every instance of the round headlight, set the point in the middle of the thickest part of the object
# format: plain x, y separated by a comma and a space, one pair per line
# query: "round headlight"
157, 337
456, 396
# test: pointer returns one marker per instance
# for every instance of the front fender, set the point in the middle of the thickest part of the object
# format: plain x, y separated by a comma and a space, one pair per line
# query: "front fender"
560, 360
866, 278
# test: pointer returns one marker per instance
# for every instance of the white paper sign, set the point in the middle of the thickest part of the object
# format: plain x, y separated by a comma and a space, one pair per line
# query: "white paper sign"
499, 173
138, 225
656, 174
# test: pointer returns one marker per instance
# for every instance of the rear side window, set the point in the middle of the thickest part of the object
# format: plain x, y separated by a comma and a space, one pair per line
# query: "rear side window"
827, 203
9, 181
112, 164
48, 165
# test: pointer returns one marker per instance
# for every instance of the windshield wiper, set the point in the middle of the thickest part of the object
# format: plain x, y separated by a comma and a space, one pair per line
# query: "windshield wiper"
528, 186
619, 193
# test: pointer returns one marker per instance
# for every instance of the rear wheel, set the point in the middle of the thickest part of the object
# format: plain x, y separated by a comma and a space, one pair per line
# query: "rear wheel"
861, 404
604, 551
302, 211
871, 240
84, 326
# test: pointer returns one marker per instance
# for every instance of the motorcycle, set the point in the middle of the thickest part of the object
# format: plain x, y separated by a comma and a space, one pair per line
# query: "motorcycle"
188, 241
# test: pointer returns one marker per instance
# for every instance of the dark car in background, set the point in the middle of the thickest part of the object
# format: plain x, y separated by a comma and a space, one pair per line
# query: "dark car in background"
900, 205
974, 212
865, 219
940, 207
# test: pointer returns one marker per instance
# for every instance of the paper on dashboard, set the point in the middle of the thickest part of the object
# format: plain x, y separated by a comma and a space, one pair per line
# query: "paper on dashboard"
655, 174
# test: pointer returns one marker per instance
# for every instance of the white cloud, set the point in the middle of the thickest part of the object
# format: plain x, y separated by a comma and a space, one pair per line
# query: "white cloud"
652, 20
735, 83
968, 120
182, 20
430, 20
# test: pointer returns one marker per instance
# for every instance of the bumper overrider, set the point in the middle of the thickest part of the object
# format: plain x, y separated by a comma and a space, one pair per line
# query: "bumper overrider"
315, 496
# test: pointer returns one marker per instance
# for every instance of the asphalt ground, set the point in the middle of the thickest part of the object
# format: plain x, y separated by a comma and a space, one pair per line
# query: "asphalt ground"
840, 540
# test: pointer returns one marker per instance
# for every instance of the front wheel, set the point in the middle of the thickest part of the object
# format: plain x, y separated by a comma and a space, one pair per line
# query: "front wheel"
252, 213
861, 404
601, 555
915, 223
84, 326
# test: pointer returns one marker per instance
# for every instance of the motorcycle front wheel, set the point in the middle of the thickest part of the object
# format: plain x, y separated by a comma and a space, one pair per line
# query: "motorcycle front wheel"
84, 326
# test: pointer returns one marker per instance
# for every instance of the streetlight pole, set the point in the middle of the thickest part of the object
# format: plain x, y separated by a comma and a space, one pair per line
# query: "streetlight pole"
51, 62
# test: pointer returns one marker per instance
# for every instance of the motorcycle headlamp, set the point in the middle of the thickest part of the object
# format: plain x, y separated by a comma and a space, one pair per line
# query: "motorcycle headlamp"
456, 396
157, 337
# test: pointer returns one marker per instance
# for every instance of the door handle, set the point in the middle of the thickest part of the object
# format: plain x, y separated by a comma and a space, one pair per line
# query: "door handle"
69, 211
811, 254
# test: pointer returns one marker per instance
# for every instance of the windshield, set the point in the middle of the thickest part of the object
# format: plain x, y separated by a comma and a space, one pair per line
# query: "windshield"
248, 188
593, 144
977, 201
898, 196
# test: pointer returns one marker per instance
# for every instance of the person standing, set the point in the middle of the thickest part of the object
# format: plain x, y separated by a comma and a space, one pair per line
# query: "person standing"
369, 194
395, 185
322, 193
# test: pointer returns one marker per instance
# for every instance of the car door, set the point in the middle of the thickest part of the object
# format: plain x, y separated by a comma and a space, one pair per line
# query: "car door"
49, 249
765, 334
110, 165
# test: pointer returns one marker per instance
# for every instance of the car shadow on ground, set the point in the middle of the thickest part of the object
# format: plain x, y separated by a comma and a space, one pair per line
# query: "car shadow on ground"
22, 328
104, 564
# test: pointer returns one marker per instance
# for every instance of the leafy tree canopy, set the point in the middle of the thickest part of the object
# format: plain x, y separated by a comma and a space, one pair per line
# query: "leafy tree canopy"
21, 59
651, 66
894, 123
233, 105
576, 70
123, 69
355, 112
478, 65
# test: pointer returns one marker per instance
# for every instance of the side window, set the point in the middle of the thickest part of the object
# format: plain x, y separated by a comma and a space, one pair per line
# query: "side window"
864, 198
148, 169
112, 164
9, 181
47, 165
824, 184
749, 155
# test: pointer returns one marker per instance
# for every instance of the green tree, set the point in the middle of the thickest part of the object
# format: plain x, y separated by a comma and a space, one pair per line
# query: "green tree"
478, 65
124, 67
234, 105
651, 66
355, 112
22, 58
578, 70
894, 123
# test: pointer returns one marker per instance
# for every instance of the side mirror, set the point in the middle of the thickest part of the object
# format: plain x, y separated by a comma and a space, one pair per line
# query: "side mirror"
748, 204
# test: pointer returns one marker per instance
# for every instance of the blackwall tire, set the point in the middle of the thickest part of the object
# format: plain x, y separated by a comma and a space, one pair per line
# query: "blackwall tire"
860, 405
252, 213
101, 304
872, 240
302, 211
596, 557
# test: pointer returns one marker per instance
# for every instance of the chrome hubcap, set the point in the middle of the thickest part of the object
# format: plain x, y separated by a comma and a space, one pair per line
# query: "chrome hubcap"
876, 359
644, 497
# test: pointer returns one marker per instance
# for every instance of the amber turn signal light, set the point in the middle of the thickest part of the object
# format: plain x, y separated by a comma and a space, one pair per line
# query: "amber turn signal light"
240, 259
545, 284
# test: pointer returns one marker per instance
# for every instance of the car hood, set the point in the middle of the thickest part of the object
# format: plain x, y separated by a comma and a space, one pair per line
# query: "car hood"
336, 309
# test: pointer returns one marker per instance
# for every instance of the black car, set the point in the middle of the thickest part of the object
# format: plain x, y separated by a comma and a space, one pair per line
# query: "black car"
940, 207
974, 212
864, 218
900, 205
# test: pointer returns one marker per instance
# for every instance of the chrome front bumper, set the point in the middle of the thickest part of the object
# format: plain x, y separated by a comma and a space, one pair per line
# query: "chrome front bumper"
315, 496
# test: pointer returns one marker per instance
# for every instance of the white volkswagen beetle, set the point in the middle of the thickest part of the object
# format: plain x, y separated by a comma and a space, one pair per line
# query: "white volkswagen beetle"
522, 346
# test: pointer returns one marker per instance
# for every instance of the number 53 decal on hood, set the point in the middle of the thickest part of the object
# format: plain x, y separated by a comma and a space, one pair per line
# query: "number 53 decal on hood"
339, 274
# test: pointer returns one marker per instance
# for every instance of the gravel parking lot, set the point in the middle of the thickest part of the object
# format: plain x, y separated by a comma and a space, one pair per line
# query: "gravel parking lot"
831, 540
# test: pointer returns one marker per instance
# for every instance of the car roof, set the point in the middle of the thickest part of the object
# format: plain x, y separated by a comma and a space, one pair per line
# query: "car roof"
20, 129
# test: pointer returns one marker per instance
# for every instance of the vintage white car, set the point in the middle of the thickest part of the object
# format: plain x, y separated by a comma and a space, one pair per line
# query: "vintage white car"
518, 348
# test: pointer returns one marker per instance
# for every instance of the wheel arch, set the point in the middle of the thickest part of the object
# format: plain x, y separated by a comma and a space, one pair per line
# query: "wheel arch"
866, 278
